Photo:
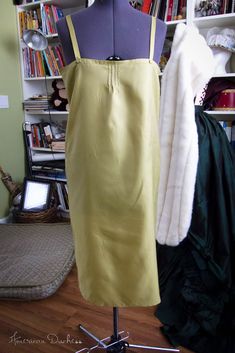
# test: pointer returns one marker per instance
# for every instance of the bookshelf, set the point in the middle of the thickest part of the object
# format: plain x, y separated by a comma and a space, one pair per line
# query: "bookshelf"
42, 78
223, 20
222, 115
43, 161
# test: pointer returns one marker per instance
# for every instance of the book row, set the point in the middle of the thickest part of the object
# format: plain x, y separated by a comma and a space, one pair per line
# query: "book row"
43, 136
166, 10
47, 62
43, 18
48, 173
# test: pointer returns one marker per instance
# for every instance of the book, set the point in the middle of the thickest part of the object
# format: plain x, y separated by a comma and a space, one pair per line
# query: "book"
229, 6
169, 10
233, 6
58, 145
48, 133
162, 10
166, 9
155, 7
175, 10
60, 195
65, 196
146, 6
182, 9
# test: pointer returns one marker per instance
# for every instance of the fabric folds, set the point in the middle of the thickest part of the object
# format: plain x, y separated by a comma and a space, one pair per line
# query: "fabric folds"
112, 167
197, 278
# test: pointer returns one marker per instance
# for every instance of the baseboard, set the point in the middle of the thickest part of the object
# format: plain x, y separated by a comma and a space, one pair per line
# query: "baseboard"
7, 219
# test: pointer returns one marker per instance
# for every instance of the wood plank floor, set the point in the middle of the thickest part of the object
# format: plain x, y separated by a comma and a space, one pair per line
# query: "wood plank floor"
50, 325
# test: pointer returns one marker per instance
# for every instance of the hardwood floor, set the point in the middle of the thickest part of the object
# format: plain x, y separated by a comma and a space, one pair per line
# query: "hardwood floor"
50, 325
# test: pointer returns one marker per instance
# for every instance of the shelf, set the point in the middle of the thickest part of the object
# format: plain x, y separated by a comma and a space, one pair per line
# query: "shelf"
51, 36
49, 178
229, 74
216, 20
172, 24
59, 3
44, 149
46, 112
46, 156
225, 115
42, 78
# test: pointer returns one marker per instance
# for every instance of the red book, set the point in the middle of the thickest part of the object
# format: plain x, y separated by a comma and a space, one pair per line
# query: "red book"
169, 10
146, 6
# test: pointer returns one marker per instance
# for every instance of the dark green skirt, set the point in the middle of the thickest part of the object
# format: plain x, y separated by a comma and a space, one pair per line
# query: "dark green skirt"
197, 278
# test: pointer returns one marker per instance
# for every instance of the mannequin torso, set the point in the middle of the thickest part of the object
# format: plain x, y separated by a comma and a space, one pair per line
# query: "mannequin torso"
112, 150
111, 27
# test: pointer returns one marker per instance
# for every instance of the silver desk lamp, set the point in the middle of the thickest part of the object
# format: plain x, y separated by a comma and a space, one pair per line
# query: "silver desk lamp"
35, 39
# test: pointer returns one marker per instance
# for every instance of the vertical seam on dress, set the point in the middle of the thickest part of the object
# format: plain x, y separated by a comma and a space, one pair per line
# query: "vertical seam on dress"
108, 77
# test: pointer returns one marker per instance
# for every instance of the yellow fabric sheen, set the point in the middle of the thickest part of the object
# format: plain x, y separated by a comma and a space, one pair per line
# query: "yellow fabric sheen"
112, 167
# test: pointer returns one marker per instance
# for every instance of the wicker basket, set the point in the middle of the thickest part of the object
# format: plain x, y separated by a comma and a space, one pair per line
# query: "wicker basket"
46, 216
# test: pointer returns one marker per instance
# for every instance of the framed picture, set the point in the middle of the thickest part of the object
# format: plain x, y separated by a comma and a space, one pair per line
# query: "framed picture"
36, 195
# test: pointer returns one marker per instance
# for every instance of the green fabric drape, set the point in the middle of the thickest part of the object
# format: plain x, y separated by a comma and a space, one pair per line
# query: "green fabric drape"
197, 278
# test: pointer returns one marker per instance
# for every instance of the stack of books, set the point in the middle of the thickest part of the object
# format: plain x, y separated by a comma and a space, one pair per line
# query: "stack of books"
38, 102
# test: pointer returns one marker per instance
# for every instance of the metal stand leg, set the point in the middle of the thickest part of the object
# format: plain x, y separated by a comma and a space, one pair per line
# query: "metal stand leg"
115, 323
117, 342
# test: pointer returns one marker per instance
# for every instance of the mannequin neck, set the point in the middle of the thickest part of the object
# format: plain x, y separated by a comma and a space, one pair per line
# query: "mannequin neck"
221, 58
117, 5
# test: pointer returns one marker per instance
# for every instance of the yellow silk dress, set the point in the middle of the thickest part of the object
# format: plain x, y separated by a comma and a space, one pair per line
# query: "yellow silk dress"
112, 168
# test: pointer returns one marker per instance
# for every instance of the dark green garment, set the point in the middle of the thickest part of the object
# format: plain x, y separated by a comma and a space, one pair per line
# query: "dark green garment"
197, 278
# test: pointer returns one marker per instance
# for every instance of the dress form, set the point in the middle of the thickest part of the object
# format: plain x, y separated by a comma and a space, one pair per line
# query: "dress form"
111, 27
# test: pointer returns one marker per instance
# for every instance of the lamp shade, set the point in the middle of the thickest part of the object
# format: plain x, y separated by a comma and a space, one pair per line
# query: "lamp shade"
35, 39
17, 2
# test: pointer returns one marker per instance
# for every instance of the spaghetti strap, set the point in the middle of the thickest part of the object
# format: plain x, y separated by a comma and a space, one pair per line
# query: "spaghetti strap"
152, 37
73, 37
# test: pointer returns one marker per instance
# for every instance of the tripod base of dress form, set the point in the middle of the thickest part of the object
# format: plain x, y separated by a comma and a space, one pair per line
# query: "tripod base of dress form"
117, 342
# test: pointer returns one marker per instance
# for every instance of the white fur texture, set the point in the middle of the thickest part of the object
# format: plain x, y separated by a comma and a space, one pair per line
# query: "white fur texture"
189, 68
